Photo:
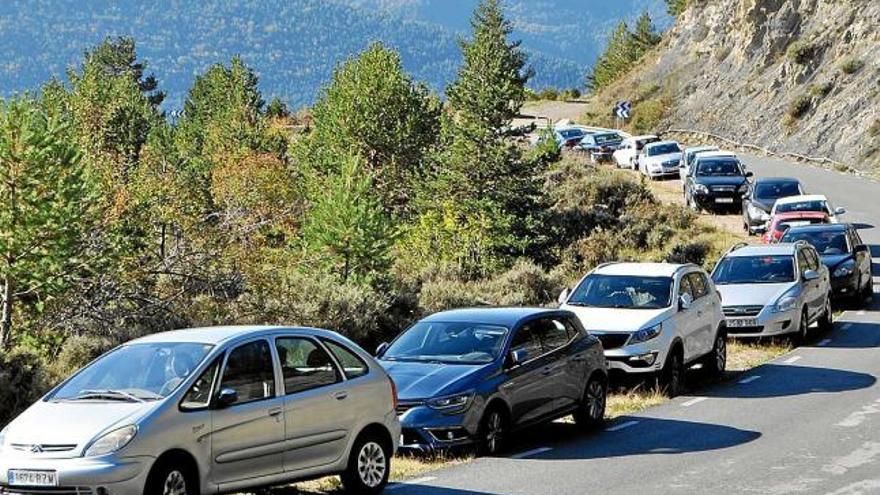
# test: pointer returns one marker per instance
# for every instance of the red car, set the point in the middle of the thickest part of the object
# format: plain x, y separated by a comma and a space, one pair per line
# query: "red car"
781, 222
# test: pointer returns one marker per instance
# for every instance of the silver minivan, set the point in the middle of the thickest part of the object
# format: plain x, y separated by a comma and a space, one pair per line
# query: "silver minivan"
209, 410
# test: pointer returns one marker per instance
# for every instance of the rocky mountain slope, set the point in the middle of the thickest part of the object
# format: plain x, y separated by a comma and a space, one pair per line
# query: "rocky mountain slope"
791, 75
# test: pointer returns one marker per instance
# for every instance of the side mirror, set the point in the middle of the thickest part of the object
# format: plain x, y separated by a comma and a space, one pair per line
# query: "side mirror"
381, 349
839, 211
750, 174
861, 248
685, 301
810, 275
518, 357
563, 296
226, 397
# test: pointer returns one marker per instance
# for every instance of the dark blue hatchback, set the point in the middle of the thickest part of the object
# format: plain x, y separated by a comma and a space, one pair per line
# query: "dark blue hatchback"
474, 376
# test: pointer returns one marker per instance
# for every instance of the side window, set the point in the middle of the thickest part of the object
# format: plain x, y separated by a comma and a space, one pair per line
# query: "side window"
685, 288
552, 334
571, 328
813, 258
199, 395
803, 264
698, 284
304, 365
250, 372
527, 338
352, 365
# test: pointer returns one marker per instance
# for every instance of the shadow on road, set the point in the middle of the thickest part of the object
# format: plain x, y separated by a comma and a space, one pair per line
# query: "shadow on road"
787, 380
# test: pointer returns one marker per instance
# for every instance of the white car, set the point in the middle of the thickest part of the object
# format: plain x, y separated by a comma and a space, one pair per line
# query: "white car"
660, 159
687, 158
808, 202
652, 318
626, 155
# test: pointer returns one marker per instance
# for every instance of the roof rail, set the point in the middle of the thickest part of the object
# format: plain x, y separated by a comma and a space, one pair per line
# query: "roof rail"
736, 246
607, 263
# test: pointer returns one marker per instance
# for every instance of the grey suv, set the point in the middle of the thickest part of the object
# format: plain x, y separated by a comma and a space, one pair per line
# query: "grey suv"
777, 289
205, 411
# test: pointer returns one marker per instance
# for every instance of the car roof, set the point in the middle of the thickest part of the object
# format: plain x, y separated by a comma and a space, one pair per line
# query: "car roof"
802, 197
782, 248
775, 180
716, 154
644, 269
660, 143
788, 215
505, 316
644, 136
700, 149
828, 227
220, 334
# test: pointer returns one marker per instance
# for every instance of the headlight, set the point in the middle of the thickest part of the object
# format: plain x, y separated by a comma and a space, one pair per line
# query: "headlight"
111, 442
701, 189
846, 268
785, 303
452, 402
645, 334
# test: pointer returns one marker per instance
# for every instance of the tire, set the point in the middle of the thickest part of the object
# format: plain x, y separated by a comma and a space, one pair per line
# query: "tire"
715, 363
867, 292
493, 428
369, 466
803, 332
826, 322
672, 374
692, 203
591, 413
172, 478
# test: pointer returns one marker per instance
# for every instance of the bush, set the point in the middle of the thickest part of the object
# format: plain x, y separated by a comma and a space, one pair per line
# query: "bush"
689, 252
525, 284
22, 381
799, 106
77, 352
820, 90
647, 115
801, 52
851, 66
548, 94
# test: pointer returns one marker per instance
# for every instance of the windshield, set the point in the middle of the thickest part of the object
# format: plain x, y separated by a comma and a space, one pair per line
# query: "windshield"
606, 138
713, 168
448, 342
135, 372
663, 149
571, 133
826, 242
776, 190
623, 291
813, 205
771, 269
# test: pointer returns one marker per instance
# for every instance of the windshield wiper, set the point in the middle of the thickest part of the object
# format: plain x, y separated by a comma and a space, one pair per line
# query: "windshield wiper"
107, 394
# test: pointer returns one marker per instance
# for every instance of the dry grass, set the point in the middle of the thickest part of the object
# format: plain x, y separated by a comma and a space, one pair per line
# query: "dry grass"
743, 356
632, 401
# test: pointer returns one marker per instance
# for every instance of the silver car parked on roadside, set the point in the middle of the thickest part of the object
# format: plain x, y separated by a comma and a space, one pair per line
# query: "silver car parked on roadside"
205, 411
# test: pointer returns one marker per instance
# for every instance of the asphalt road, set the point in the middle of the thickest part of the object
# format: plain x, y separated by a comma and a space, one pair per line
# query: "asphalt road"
808, 422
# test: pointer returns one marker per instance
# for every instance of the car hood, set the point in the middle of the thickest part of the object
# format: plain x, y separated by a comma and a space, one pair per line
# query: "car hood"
734, 180
663, 158
425, 380
751, 294
72, 423
618, 320
832, 260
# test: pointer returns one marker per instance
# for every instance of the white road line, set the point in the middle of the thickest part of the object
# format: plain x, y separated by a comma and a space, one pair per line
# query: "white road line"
529, 453
792, 359
824, 343
693, 401
622, 426
861, 312
749, 379
846, 326
416, 481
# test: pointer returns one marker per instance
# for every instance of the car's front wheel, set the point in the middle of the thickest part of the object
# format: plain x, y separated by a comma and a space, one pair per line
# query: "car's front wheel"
369, 466
493, 428
172, 478
672, 374
715, 362
591, 413
866, 291
803, 331
826, 323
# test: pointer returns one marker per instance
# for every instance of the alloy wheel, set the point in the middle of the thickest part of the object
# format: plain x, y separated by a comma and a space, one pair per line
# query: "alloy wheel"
175, 484
721, 352
372, 464
494, 429
596, 401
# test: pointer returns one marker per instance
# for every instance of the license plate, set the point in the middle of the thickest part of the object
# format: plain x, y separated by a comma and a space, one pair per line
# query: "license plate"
742, 322
18, 477
724, 200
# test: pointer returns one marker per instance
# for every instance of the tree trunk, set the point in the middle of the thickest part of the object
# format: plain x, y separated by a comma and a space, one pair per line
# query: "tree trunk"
5, 313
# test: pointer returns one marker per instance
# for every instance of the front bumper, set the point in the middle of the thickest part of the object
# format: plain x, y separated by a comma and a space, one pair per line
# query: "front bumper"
425, 430
644, 357
718, 200
81, 476
847, 285
655, 172
765, 324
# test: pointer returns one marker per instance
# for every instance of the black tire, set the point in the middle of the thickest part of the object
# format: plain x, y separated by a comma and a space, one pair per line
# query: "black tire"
826, 322
172, 477
692, 203
493, 428
369, 466
591, 413
715, 363
671, 378
803, 332
867, 292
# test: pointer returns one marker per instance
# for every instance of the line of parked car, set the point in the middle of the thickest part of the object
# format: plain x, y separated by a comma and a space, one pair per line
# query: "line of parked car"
225, 409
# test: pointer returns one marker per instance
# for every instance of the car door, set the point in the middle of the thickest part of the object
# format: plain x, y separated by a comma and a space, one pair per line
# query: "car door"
704, 304
686, 321
318, 414
812, 292
862, 257
526, 387
560, 372
247, 439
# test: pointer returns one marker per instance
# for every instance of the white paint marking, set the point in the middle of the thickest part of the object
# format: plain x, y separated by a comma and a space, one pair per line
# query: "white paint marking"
861, 312
622, 426
416, 481
824, 343
693, 401
530, 453
792, 359
749, 379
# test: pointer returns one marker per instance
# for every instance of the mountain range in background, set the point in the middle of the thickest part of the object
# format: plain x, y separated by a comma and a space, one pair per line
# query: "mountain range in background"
294, 45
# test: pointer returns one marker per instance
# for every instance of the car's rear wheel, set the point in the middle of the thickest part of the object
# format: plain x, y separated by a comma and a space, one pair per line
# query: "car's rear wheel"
715, 362
591, 413
369, 466
803, 331
672, 374
826, 323
493, 428
172, 478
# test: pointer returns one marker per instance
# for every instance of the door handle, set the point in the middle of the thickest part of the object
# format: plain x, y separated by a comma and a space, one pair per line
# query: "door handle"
340, 395
275, 411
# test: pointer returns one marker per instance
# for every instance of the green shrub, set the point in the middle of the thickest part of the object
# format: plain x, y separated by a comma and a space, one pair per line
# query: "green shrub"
689, 252
820, 90
801, 52
525, 284
648, 114
22, 381
799, 106
548, 94
851, 65
77, 352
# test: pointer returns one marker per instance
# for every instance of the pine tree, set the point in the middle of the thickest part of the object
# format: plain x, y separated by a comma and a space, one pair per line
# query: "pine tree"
623, 49
676, 7
644, 34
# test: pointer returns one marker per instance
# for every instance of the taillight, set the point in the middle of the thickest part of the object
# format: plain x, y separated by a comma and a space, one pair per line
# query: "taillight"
393, 393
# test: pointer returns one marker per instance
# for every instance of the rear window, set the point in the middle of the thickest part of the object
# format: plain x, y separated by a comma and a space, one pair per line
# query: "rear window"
663, 149
829, 242
571, 133
812, 205
776, 190
606, 138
